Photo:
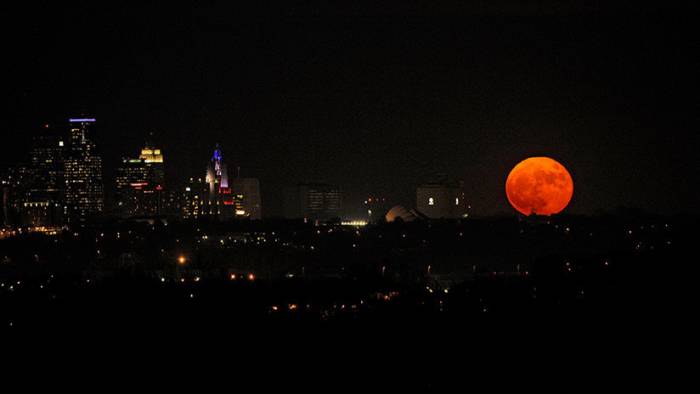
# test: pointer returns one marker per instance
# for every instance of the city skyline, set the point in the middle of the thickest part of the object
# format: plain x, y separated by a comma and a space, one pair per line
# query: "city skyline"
401, 96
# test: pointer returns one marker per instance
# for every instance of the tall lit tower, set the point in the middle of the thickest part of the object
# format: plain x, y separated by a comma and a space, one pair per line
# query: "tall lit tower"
221, 200
83, 172
217, 174
140, 184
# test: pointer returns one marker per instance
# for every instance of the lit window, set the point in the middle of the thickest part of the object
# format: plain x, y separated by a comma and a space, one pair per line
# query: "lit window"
431, 201
60, 143
457, 201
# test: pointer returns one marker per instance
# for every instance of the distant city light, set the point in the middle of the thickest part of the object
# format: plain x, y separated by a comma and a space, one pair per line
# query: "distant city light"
354, 223
181, 260
81, 120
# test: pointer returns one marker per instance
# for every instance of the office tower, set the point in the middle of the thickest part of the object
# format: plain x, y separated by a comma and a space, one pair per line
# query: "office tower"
131, 181
313, 201
441, 200
140, 183
45, 195
154, 160
83, 172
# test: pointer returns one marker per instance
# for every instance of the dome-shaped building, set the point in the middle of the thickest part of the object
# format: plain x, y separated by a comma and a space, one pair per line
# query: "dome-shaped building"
399, 212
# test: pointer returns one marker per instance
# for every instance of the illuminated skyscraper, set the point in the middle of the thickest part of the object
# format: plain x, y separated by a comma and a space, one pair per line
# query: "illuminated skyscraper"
140, 184
131, 181
217, 196
154, 161
221, 201
83, 172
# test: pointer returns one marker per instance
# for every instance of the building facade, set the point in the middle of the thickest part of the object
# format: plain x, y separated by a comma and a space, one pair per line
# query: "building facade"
84, 194
315, 201
247, 197
195, 199
43, 200
140, 184
14, 183
441, 200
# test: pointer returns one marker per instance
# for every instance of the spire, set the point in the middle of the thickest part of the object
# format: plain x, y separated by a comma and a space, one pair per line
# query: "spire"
217, 153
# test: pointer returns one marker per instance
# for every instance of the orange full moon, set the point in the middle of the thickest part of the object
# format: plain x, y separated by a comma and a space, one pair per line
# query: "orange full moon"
539, 186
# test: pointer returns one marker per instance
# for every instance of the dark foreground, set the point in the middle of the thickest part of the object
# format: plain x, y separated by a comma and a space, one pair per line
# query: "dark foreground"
133, 277
404, 307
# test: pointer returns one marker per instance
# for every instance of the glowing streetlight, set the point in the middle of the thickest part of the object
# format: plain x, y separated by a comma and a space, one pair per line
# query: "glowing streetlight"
181, 260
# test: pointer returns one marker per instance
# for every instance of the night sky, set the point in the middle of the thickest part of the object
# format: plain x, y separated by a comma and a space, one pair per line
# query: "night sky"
374, 99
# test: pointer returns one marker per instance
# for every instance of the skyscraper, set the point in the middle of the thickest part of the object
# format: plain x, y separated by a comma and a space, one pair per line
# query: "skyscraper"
140, 184
223, 204
83, 172
45, 195
131, 181
219, 197
154, 161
